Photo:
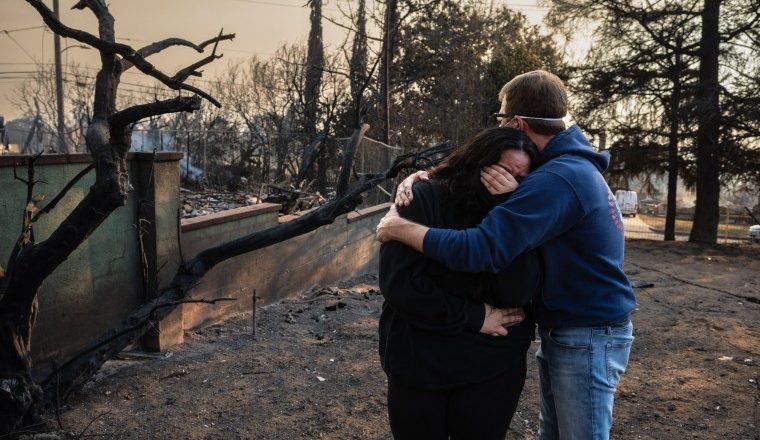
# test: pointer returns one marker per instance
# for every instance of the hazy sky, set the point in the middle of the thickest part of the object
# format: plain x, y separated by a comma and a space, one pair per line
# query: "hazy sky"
260, 27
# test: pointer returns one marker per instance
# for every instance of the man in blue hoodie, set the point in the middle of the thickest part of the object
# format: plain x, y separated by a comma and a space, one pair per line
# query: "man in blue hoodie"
566, 209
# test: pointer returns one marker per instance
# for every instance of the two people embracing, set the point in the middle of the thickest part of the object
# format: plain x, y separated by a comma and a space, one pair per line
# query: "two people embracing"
515, 229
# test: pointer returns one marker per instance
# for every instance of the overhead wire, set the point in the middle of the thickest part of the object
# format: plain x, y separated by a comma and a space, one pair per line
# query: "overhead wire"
8, 34
7, 31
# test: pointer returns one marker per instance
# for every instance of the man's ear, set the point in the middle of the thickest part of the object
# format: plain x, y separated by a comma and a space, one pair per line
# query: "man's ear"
523, 126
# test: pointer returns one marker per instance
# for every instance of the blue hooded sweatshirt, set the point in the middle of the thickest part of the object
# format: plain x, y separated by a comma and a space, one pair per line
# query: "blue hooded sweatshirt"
566, 209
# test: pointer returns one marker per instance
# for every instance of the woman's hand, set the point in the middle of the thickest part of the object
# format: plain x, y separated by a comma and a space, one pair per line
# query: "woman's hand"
497, 320
497, 180
404, 191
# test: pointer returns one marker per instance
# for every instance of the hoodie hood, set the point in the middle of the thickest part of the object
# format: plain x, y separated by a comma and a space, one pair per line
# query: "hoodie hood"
572, 141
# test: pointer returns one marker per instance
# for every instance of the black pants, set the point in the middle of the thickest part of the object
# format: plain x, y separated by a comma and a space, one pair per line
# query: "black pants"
480, 411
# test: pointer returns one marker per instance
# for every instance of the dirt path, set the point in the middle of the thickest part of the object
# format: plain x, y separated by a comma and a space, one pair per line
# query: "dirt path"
313, 372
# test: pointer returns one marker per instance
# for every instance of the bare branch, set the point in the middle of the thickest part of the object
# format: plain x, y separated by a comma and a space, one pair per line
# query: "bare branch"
310, 154
192, 69
135, 113
752, 24
348, 28
84, 37
147, 68
135, 324
49, 206
108, 47
348, 159
159, 46
216, 40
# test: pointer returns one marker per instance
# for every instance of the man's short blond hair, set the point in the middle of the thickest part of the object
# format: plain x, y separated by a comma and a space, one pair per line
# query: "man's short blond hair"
538, 94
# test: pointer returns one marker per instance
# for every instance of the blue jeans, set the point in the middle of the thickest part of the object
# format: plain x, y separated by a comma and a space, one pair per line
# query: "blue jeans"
579, 369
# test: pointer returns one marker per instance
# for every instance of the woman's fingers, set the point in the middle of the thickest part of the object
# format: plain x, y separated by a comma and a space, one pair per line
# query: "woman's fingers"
404, 191
511, 317
493, 322
403, 194
497, 180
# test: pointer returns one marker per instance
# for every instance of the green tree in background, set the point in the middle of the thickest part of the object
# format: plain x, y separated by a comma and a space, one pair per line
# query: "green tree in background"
674, 75
452, 63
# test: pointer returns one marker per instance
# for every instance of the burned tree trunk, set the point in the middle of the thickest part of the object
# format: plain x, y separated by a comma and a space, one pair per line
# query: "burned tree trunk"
349, 152
20, 397
108, 141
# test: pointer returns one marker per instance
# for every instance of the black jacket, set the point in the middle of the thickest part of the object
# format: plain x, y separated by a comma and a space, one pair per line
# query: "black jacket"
429, 326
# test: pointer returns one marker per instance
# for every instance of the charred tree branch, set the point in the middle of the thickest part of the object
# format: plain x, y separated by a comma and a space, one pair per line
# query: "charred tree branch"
110, 48
149, 317
50, 205
61, 29
309, 157
159, 46
135, 113
193, 68
348, 159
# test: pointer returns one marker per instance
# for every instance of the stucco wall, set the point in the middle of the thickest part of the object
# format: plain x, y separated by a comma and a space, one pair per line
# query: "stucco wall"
102, 281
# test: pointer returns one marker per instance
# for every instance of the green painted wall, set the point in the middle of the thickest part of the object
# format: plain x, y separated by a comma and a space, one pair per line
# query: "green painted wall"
101, 282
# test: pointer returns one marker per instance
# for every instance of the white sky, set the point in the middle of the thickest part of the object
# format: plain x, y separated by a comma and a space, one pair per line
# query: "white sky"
260, 27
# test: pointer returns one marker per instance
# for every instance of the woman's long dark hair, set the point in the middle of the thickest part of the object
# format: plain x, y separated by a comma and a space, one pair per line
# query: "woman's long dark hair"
460, 171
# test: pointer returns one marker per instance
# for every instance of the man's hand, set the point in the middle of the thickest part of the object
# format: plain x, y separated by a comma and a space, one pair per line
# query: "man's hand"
497, 180
404, 191
385, 228
395, 227
497, 320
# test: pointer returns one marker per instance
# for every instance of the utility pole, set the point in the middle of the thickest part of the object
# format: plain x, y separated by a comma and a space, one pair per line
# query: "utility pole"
389, 31
3, 137
62, 147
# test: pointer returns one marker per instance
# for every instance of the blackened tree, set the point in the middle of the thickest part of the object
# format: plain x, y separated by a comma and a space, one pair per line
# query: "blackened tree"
108, 141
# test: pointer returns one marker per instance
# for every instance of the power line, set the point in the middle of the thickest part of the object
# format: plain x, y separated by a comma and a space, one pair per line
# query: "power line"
284, 5
7, 33
68, 77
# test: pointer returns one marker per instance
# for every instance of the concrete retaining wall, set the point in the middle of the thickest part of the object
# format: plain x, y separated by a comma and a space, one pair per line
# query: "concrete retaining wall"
344, 248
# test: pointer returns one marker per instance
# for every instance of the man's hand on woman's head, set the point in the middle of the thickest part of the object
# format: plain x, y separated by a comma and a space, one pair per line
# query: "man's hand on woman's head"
497, 320
404, 191
497, 180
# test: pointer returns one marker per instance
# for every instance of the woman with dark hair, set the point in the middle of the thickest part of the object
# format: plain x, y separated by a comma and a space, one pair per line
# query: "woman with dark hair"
446, 378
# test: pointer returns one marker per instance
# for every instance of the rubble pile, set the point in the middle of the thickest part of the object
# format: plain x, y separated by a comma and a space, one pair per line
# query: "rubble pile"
195, 204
